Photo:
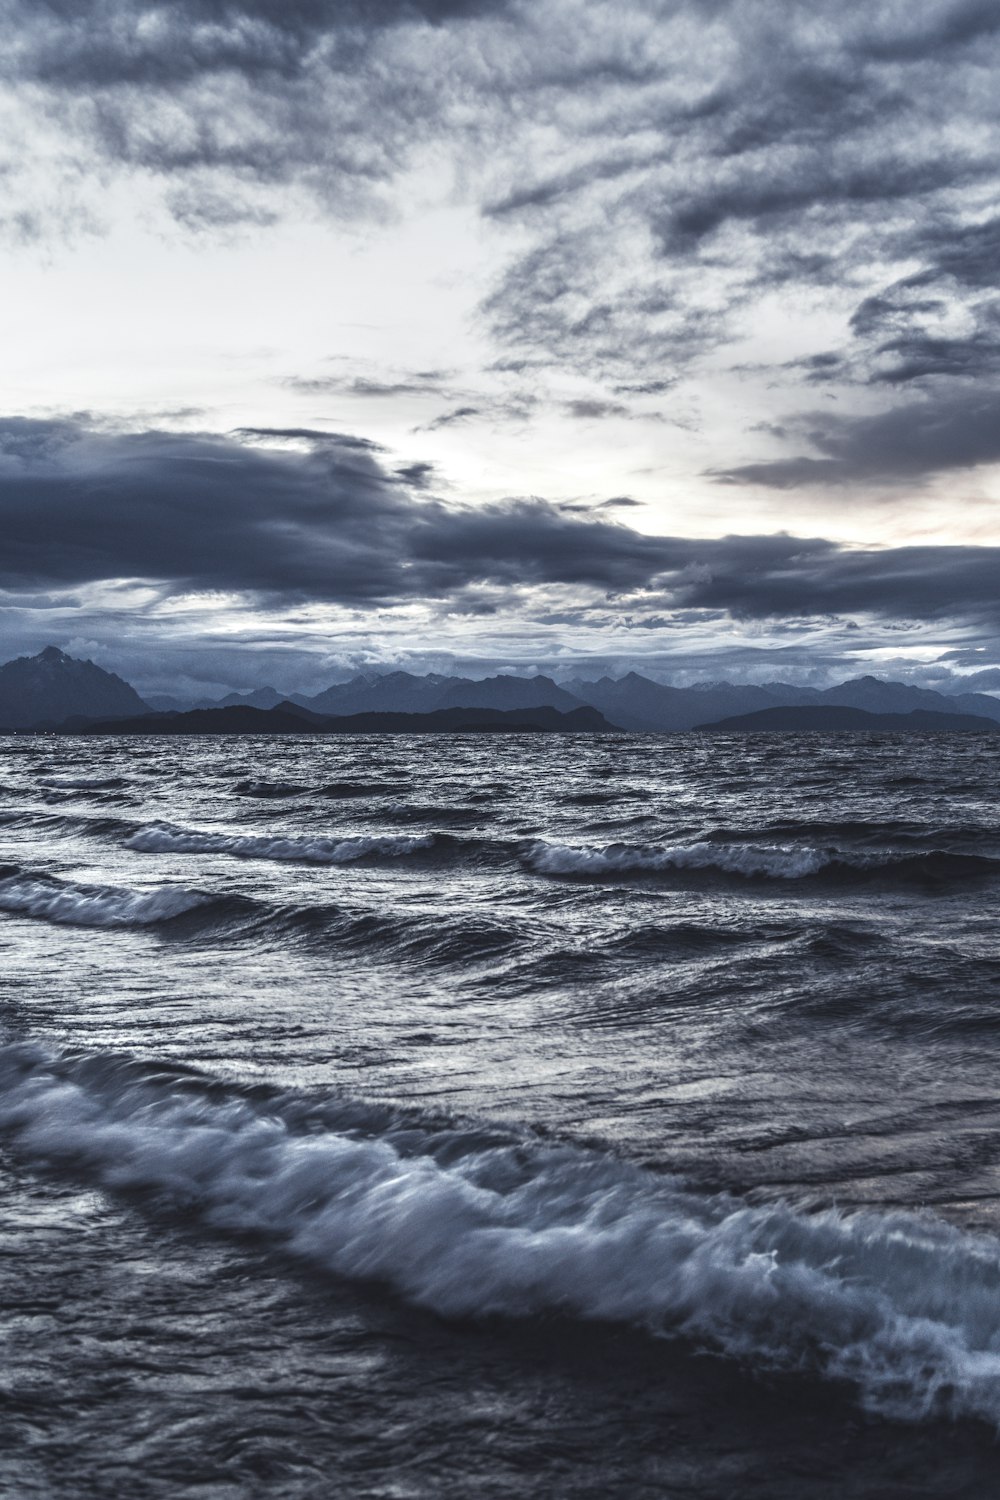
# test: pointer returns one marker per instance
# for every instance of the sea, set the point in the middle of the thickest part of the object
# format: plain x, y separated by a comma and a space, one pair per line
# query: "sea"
500, 1115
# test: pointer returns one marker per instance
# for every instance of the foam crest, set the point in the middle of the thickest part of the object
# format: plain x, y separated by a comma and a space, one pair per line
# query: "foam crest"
930, 868
165, 838
905, 1306
94, 905
777, 861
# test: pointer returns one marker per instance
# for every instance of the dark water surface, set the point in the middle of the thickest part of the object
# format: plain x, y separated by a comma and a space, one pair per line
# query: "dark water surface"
586, 1116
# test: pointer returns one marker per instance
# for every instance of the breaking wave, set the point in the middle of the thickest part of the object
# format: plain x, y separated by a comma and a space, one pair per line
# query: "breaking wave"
768, 861
416, 937
471, 1223
94, 905
165, 838
777, 861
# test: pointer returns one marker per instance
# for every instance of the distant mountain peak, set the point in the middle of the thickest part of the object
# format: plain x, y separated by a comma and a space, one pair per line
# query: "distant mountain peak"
53, 686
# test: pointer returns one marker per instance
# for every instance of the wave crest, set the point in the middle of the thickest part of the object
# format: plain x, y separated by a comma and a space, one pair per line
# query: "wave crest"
473, 1224
758, 861
165, 838
779, 861
94, 905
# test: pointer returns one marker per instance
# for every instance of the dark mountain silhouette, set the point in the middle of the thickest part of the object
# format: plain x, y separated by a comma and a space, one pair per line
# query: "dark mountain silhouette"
830, 718
51, 687
404, 692
166, 703
265, 697
637, 703
900, 698
389, 692
632, 702
507, 692
290, 718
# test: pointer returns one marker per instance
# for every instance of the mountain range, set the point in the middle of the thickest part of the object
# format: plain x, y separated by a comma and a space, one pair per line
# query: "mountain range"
289, 718
830, 719
631, 702
44, 691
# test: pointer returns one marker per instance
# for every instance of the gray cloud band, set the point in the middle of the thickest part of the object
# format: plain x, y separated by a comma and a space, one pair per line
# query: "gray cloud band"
330, 520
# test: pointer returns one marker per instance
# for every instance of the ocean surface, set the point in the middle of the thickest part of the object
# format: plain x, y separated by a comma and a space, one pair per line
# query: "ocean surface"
600, 1115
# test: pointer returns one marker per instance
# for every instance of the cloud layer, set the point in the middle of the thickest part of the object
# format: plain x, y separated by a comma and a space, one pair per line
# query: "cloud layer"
793, 206
288, 516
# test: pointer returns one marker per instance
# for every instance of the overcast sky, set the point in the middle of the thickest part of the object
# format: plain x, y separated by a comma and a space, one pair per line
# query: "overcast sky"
497, 334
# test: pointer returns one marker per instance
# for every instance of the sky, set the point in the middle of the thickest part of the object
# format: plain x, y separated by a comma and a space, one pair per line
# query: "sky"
501, 334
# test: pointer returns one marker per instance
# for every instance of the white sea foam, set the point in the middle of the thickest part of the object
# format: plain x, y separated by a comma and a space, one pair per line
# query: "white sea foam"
904, 1305
164, 838
94, 905
779, 861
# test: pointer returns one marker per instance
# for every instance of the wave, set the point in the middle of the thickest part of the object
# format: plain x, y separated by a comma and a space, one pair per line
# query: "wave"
84, 783
94, 905
907, 833
331, 789
338, 789
385, 934
707, 856
427, 812
419, 937
165, 838
777, 861
768, 861
269, 789
471, 1223
60, 822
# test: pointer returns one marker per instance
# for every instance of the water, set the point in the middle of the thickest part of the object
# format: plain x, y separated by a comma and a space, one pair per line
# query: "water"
585, 1116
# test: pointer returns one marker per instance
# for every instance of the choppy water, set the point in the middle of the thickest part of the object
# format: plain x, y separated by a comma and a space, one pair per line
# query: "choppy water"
598, 1116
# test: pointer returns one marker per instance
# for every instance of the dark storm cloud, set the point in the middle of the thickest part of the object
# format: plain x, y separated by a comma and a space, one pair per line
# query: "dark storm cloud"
97, 44
208, 512
226, 99
941, 322
671, 161
331, 522
919, 356
943, 432
930, 30
968, 254
759, 577
667, 165
773, 147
